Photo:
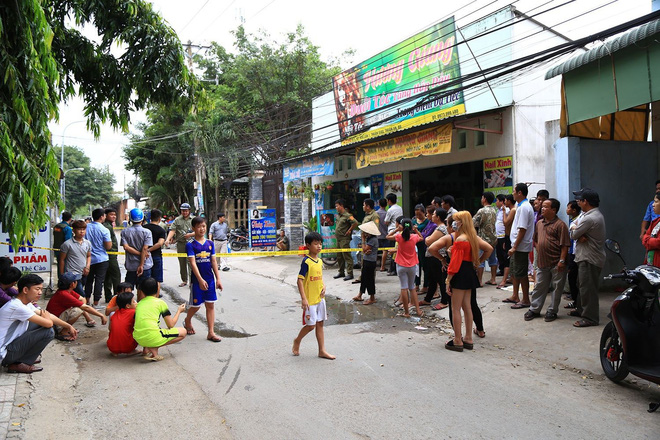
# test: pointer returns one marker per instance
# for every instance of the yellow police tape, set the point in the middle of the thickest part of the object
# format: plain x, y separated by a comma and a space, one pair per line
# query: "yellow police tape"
233, 254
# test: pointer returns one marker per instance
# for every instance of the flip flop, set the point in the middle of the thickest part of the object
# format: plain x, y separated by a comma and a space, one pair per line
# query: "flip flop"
90, 324
440, 306
368, 302
584, 323
490, 284
183, 284
519, 305
500, 286
357, 298
189, 330
481, 334
65, 338
574, 313
424, 303
154, 358
215, 338
509, 300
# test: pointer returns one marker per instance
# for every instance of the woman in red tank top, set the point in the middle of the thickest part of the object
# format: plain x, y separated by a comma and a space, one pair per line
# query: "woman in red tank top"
464, 245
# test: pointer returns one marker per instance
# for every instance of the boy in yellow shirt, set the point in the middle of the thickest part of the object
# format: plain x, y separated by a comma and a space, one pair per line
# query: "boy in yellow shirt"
312, 294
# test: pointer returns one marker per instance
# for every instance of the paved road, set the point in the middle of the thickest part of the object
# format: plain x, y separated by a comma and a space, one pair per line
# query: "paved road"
390, 380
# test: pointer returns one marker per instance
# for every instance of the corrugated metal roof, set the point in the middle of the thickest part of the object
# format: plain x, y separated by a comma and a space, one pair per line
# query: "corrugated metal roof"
629, 38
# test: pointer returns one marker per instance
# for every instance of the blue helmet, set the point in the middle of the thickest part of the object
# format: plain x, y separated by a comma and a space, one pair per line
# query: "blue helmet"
136, 215
184, 206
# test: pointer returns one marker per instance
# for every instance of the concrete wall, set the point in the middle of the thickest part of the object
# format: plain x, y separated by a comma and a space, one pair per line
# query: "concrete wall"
623, 174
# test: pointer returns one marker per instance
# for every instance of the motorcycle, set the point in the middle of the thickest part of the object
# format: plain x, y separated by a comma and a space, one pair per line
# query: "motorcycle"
630, 342
238, 240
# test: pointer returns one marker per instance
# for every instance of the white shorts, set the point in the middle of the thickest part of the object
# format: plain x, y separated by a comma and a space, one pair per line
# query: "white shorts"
315, 313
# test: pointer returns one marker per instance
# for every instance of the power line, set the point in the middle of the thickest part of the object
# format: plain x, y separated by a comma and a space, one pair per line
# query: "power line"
195, 15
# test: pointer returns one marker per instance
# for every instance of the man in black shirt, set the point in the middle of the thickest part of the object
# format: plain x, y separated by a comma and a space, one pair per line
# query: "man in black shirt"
159, 235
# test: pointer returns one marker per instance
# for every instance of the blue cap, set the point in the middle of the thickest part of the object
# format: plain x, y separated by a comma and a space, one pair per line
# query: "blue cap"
70, 277
136, 215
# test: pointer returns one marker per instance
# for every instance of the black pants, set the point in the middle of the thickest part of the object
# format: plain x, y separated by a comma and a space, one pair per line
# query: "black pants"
95, 280
368, 278
436, 277
112, 278
476, 312
573, 277
421, 255
502, 252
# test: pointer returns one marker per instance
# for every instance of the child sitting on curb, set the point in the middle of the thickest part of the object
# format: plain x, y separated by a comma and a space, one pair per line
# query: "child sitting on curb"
120, 340
69, 306
147, 331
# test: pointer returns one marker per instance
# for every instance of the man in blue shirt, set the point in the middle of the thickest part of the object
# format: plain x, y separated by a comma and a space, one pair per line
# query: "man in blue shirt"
99, 236
649, 215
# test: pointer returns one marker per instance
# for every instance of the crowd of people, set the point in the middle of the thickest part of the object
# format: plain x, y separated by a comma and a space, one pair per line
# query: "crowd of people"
441, 253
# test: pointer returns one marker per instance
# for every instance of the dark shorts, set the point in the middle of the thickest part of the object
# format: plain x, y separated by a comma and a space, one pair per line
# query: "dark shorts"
518, 264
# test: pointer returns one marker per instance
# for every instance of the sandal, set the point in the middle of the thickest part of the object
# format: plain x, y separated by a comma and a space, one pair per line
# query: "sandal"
450, 346
65, 338
481, 334
369, 302
214, 338
468, 345
584, 323
424, 303
357, 298
440, 306
575, 313
570, 305
90, 324
154, 358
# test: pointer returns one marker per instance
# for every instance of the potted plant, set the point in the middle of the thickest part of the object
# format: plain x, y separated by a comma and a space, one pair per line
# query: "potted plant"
327, 185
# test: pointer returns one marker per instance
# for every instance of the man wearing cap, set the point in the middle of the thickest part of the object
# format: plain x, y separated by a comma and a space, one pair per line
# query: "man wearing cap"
69, 306
589, 233
218, 233
181, 232
136, 241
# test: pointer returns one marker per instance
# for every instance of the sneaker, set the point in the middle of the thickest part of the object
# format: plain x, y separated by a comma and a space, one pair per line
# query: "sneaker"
529, 315
550, 316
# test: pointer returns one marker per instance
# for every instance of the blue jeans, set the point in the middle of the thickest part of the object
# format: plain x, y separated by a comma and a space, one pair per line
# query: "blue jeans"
157, 268
134, 280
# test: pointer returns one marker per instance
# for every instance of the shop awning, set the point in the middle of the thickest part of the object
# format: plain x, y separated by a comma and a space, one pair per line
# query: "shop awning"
606, 91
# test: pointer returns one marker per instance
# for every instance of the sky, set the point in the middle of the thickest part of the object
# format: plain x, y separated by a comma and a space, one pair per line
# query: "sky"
366, 26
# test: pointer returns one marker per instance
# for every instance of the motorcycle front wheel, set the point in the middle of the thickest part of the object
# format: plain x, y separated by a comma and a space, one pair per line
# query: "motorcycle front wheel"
612, 358
236, 246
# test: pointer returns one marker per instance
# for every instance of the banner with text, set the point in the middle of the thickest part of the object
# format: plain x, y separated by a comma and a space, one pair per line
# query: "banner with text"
394, 185
326, 225
263, 228
498, 175
26, 257
423, 143
314, 166
388, 87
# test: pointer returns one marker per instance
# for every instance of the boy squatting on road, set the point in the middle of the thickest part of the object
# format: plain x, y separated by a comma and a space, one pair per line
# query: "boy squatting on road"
312, 294
205, 278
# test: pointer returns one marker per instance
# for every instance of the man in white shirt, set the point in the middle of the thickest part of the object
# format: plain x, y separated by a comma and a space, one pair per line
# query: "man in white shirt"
26, 330
394, 211
218, 233
522, 232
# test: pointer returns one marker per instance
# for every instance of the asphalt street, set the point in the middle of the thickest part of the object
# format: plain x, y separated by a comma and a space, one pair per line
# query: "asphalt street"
391, 378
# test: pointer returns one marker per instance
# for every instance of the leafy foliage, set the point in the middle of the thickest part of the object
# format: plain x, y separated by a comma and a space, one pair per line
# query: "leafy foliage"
45, 58
90, 187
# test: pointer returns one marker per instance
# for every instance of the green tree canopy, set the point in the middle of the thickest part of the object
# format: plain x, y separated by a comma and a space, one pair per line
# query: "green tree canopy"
89, 187
46, 58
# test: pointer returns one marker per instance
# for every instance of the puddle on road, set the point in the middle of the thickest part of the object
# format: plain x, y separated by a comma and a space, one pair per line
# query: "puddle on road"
343, 312
220, 328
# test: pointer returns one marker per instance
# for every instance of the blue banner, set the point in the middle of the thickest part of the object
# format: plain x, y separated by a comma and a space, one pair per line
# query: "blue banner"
263, 227
315, 166
377, 184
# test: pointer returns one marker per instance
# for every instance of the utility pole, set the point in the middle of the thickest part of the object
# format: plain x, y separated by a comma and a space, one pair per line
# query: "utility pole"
199, 184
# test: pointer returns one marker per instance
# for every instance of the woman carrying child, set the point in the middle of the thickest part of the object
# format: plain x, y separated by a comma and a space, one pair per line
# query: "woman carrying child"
370, 233
462, 275
406, 237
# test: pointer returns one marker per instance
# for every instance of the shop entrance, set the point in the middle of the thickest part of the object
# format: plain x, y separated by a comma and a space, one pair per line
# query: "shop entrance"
464, 181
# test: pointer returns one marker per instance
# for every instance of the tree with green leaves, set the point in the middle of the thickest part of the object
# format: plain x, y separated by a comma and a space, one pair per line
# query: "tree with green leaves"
89, 187
45, 58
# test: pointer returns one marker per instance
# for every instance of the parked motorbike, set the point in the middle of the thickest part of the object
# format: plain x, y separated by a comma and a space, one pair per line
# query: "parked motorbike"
630, 342
238, 240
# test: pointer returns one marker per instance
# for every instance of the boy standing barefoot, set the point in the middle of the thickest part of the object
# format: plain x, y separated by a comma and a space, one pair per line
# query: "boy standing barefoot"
312, 294
205, 278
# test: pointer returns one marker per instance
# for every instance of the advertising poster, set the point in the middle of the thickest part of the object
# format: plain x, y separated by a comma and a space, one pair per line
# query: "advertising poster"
314, 166
423, 143
394, 185
377, 185
498, 175
326, 225
263, 228
382, 95
25, 257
